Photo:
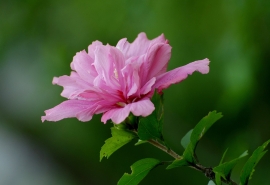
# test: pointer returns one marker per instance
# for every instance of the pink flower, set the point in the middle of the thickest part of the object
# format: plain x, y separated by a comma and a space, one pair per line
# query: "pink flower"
117, 81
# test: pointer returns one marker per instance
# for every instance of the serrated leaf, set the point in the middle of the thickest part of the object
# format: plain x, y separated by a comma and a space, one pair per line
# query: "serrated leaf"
225, 169
157, 100
186, 139
189, 154
139, 170
204, 124
178, 163
119, 138
150, 127
217, 176
249, 166
211, 183
223, 156
197, 133
218, 179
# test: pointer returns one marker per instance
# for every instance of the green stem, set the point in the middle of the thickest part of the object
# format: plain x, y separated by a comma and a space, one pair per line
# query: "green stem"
165, 149
208, 172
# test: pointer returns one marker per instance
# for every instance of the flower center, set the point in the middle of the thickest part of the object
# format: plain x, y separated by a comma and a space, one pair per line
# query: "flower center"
121, 104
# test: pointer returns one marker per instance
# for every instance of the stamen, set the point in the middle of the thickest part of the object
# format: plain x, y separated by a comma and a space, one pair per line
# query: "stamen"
115, 73
121, 104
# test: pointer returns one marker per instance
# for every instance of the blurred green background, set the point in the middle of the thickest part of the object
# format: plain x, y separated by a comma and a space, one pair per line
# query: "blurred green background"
38, 40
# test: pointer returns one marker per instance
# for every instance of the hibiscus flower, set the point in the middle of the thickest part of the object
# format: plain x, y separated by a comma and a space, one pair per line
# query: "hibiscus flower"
117, 81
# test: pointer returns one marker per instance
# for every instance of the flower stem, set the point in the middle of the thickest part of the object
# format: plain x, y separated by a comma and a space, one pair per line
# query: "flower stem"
165, 149
208, 172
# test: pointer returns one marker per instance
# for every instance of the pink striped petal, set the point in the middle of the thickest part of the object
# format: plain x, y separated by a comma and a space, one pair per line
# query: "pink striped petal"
179, 74
139, 46
156, 61
148, 86
82, 64
143, 107
117, 115
69, 109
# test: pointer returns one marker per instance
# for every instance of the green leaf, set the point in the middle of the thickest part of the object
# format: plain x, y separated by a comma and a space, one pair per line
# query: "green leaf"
248, 168
119, 138
186, 139
224, 170
218, 179
150, 127
217, 176
223, 156
158, 99
189, 154
211, 183
178, 163
197, 133
204, 124
139, 170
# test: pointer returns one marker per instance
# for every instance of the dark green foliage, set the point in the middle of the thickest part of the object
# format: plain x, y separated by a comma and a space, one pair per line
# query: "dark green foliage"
248, 168
139, 170
197, 133
150, 127
224, 169
119, 138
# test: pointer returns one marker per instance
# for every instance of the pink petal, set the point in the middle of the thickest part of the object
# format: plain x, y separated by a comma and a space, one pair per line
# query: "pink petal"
92, 48
139, 46
117, 115
108, 63
177, 75
73, 85
69, 109
156, 61
148, 86
132, 79
143, 107
82, 64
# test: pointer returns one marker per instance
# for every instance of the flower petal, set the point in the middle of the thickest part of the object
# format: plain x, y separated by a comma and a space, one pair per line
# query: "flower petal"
139, 46
108, 62
92, 48
143, 107
117, 115
73, 85
148, 86
69, 109
82, 63
156, 61
179, 74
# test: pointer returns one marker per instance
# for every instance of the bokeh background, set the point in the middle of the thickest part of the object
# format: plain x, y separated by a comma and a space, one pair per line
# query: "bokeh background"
38, 40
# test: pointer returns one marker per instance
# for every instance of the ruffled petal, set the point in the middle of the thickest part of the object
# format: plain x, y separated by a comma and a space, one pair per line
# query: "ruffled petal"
73, 85
179, 74
139, 46
143, 107
68, 109
156, 61
82, 64
108, 62
148, 86
117, 115
92, 48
